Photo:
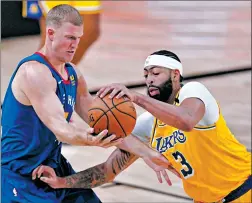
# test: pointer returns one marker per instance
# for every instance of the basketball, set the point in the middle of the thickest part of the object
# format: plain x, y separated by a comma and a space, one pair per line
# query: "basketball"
118, 116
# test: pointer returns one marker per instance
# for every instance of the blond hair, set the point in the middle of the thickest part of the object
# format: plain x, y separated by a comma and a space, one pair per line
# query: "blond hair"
63, 13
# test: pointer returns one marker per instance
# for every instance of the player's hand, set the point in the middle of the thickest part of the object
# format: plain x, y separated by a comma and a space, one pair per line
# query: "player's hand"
165, 175
116, 90
98, 140
159, 164
47, 175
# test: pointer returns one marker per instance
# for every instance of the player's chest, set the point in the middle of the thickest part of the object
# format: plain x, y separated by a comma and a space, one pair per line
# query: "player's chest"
175, 145
167, 139
67, 95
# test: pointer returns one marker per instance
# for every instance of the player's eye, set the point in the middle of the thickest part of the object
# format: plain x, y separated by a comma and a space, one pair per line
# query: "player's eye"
71, 37
145, 76
155, 73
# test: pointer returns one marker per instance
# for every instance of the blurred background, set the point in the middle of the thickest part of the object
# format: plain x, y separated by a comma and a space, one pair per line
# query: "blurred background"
212, 39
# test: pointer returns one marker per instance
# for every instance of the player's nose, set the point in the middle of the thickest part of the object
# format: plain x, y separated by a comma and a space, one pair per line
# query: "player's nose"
149, 80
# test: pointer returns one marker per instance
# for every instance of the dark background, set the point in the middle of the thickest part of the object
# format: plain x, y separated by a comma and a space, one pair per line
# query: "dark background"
12, 22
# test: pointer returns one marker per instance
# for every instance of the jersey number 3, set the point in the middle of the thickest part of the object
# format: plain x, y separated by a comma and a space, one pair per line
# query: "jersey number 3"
188, 172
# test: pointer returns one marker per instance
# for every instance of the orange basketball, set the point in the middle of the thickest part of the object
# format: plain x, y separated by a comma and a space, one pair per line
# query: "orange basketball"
118, 116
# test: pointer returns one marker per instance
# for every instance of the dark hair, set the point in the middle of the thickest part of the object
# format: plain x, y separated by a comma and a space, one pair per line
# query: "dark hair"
63, 13
168, 54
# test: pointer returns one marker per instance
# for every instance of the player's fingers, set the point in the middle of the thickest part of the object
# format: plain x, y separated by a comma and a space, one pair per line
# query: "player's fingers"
108, 139
159, 177
121, 94
41, 170
105, 92
114, 143
34, 173
99, 137
114, 92
90, 130
165, 175
100, 91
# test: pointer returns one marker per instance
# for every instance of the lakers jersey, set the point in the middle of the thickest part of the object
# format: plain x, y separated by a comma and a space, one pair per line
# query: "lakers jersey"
35, 9
84, 7
209, 158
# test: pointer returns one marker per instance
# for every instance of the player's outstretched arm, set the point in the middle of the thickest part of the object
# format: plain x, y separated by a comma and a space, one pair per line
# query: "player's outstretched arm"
103, 173
151, 157
39, 87
100, 174
183, 117
92, 177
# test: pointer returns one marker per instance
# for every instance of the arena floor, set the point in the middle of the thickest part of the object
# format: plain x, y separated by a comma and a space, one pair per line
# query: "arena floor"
220, 39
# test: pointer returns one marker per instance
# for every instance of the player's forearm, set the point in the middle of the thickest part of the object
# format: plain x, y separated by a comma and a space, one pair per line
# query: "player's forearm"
135, 146
72, 133
82, 105
89, 178
119, 161
169, 114
98, 175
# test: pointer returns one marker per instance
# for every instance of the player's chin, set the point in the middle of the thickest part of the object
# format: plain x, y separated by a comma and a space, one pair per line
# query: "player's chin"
68, 59
154, 96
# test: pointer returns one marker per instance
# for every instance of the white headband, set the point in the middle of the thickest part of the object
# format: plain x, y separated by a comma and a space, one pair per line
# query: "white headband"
164, 61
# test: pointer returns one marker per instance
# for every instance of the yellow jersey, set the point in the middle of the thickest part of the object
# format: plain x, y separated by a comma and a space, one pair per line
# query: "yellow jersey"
84, 7
211, 161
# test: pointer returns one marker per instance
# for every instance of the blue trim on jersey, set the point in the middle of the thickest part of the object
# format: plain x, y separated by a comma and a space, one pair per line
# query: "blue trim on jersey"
238, 192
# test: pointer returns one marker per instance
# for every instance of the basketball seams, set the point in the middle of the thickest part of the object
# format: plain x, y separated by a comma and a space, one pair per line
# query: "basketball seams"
120, 110
105, 112
114, 117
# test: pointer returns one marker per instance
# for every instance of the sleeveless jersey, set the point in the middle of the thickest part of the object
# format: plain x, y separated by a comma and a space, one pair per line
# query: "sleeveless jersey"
26, 141
210, 160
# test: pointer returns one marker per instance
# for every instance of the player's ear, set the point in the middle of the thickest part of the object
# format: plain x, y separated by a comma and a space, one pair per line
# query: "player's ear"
50, 33
175, 75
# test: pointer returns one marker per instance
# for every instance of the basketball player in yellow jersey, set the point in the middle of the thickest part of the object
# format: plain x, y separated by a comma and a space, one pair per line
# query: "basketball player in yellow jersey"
90, 12
186, 125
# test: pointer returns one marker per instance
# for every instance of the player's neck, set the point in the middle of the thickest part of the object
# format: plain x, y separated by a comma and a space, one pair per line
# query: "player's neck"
174, 93
58, 65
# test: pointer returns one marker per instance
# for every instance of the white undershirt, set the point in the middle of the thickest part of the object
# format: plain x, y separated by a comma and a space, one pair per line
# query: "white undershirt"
145, 121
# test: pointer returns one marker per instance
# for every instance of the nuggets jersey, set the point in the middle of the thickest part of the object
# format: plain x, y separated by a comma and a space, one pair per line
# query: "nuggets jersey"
210, 160
26, 141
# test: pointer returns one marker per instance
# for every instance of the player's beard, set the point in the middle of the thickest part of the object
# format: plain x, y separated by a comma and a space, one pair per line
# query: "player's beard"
165, 91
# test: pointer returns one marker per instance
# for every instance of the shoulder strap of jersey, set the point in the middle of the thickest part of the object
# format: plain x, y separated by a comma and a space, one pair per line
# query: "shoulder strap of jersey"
72, 72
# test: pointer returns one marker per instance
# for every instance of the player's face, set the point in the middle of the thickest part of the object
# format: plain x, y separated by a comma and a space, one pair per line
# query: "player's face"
66, 40
159, 83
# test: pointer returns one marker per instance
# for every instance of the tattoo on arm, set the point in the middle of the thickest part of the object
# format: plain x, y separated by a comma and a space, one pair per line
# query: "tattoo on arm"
90, 178
121, 161
103, 173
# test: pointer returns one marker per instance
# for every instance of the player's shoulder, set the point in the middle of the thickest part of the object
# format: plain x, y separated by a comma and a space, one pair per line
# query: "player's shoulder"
34, 67
193, 86
145, 117
34, 70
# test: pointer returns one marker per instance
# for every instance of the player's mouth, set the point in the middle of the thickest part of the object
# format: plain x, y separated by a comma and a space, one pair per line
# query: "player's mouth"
153, 91
70, 52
